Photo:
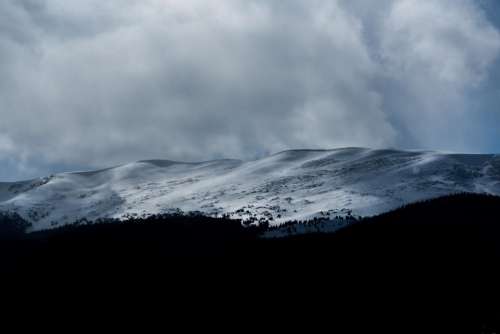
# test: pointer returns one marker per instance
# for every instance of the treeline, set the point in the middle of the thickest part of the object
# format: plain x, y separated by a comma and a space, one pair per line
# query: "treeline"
156, 243
465, 224
12, 226
434, 262
447, 247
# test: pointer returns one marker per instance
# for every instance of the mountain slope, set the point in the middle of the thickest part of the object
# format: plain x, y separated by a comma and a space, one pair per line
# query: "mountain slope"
291, 185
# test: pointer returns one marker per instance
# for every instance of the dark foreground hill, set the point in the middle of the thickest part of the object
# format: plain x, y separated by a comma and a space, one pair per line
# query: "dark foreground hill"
436, 260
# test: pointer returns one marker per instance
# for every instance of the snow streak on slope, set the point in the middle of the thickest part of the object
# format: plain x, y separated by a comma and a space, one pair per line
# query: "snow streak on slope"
292, 185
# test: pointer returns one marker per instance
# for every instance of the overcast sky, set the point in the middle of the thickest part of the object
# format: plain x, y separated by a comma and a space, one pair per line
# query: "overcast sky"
92, 83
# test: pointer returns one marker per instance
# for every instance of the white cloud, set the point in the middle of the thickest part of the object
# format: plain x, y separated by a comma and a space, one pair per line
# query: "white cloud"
98, 83
437, 51
447, 41
6, 145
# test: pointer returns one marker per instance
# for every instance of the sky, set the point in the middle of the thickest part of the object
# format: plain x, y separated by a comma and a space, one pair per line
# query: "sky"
87, 84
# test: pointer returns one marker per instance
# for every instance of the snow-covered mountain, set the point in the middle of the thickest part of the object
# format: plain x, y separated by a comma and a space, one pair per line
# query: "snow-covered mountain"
292, 185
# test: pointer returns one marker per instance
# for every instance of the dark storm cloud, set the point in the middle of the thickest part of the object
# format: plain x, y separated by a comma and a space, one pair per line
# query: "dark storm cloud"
96, 83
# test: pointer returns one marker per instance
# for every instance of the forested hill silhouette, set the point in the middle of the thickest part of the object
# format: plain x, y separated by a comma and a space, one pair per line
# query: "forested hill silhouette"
459, 227
445, 250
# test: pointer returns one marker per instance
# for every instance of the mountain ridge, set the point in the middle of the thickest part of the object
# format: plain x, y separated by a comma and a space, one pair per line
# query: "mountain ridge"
288, 185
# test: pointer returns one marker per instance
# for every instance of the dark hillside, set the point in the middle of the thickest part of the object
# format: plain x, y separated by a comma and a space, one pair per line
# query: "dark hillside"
435, 262
431, 262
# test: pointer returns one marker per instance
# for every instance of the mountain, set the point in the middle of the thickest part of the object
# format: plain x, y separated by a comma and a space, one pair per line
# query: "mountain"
291, 185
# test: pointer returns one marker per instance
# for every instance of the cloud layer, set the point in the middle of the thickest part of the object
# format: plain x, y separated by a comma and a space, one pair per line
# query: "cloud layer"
94, 83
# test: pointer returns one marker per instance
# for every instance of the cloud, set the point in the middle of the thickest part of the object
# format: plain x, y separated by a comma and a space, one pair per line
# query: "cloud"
437, 51
95, 83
